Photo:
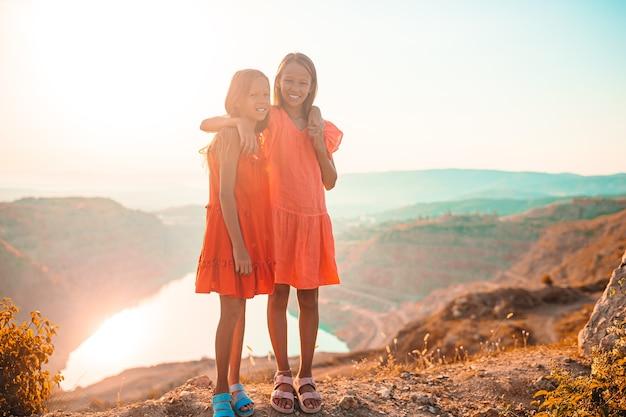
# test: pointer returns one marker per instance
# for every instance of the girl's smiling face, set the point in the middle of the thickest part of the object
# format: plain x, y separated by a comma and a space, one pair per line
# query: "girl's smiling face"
295, 84
255, 105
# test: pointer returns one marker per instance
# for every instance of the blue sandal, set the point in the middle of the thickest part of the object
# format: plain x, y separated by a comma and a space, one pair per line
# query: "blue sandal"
221, 405
241, 400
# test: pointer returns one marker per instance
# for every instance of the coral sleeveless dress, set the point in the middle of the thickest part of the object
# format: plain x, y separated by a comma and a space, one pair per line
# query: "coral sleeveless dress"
216, 267
303, 239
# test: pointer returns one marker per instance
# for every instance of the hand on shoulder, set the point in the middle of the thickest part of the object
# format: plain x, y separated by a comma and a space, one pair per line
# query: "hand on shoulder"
247, 135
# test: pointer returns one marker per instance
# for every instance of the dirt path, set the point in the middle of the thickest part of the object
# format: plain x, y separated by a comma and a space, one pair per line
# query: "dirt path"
488, 386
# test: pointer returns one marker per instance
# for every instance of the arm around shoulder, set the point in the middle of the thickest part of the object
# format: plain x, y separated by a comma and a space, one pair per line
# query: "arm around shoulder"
246, 134
215, 124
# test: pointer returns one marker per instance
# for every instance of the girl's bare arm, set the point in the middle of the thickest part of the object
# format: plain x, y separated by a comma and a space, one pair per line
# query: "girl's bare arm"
229, 152
325, 161
327, 166
247, 136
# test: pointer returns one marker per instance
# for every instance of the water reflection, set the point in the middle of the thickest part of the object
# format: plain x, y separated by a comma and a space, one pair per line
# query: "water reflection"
174, 325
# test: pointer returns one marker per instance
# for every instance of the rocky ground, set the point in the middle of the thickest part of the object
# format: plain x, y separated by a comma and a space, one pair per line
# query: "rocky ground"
501, 384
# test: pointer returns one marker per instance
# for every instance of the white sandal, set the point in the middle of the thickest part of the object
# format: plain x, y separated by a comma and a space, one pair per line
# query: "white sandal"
276, 393
312, 395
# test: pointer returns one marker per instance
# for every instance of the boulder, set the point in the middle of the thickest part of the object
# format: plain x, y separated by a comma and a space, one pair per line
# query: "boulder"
609, 309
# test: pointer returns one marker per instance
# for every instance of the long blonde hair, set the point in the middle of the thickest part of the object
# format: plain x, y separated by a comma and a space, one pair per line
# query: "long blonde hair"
239, 88
306, 62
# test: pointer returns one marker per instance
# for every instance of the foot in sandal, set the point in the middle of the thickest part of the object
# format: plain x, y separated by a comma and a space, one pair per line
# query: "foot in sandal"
241, 402
283, 399
309, 399
221, 405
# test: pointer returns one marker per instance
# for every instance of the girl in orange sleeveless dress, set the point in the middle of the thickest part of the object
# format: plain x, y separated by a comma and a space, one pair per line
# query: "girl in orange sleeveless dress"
237, 259
298, 146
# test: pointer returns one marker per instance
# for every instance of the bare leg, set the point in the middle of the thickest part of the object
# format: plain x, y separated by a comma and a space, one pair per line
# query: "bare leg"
277, 325
309, 322
231, 309
235, 353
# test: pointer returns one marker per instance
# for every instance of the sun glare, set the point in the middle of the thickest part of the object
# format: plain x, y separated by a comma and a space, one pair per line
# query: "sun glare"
106, 72
117, 338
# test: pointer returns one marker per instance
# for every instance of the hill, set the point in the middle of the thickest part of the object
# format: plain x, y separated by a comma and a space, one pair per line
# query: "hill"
60, 255
395, 271
575, 253
483, 354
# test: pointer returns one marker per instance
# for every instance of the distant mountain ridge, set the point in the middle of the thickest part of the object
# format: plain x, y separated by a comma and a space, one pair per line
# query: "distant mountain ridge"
362, 193
368, 193
498, 206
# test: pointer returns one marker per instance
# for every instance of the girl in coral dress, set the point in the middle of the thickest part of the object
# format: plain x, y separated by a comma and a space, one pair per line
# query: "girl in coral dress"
237, 255
298, 146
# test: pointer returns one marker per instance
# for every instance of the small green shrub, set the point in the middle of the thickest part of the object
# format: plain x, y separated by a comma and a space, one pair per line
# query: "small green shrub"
24, 349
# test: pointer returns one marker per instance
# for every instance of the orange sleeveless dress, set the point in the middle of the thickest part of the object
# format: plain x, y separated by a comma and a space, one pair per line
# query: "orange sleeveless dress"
216, 268
303, 245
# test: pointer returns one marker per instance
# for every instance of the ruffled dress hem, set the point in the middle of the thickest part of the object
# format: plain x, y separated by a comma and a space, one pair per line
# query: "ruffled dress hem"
219, 276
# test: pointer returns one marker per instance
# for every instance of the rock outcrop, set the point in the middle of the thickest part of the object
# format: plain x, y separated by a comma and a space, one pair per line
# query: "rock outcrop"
611, 308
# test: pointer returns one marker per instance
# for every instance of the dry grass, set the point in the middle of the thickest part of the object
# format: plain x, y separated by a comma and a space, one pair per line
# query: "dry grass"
601, 393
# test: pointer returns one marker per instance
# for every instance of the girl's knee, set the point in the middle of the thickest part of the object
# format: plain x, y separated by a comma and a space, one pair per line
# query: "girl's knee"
280, 298
233, 307
308, 298
281, 292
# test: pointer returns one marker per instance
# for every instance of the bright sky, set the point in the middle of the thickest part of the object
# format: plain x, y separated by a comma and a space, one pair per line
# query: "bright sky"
111, 92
